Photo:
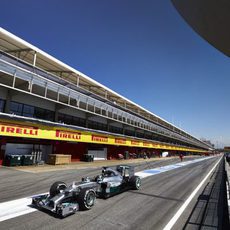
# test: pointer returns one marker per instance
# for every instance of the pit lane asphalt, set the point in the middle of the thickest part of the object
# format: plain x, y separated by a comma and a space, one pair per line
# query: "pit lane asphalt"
149, 208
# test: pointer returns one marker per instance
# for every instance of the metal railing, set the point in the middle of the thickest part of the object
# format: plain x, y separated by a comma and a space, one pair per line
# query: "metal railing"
37, 78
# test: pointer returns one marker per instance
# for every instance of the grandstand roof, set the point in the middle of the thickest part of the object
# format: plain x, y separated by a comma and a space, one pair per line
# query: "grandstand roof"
210, 19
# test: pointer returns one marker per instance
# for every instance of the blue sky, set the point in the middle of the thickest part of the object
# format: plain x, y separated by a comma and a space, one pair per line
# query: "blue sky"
141, 49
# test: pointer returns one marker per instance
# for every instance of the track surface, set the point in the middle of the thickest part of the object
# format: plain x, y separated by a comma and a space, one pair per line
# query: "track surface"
149, 208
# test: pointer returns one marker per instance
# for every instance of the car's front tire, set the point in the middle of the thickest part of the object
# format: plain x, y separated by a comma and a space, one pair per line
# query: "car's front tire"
57, 187
86, 198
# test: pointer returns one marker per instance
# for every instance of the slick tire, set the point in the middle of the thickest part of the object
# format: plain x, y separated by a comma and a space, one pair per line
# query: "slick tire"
86, 199
135, 182
57, 187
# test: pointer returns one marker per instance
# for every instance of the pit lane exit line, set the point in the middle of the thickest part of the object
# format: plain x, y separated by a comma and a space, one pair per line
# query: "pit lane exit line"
19, 207
151, 172
15, 208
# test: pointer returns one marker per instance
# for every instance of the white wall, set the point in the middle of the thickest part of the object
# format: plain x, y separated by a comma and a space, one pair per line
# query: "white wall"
99, 154
165, 154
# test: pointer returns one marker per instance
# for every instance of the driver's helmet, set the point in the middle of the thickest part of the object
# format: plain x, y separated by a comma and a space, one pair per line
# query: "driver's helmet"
85, 179
99, 178
108, 173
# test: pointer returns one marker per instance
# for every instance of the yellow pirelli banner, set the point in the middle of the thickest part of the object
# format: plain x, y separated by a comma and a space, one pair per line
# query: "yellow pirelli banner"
66, 134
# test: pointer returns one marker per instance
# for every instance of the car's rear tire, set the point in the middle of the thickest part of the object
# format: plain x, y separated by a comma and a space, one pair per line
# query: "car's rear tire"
57, 187
86, 198
135, 182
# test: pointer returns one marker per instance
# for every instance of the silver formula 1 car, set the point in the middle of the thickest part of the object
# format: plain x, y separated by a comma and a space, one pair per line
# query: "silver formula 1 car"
63, 200
115, 181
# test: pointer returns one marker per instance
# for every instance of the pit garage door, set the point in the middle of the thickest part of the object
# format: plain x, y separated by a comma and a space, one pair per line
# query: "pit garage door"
26, 149
99, 154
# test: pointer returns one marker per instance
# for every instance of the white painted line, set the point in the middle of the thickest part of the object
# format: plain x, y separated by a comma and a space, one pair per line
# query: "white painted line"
142, 174
227, 187
228, 197
155, 171
15, 208
186, 203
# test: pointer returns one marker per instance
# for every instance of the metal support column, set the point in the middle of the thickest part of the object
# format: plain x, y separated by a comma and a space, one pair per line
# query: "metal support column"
8, 100
35, 58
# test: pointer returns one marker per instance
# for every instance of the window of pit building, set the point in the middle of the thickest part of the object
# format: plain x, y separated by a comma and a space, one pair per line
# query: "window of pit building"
114, 129
31, 111
129, 132
28, 111
97, 125
16, 108
44, 114
2, 105
71, 120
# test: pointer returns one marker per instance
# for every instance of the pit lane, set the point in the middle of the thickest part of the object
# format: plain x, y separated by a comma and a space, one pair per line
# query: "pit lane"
149, 208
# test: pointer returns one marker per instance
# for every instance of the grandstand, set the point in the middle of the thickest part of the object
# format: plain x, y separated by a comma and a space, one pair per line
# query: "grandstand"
49, 106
